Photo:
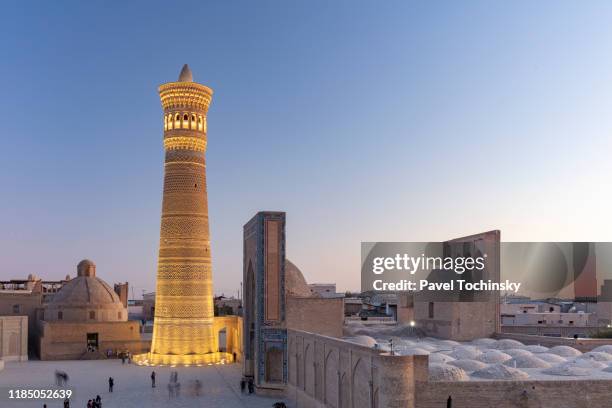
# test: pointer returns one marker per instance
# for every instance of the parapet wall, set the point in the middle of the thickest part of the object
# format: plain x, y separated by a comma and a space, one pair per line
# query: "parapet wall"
552, 331
583, 345
514, 394
328, 372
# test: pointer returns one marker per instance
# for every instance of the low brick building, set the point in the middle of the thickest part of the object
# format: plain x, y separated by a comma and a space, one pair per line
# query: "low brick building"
86, 319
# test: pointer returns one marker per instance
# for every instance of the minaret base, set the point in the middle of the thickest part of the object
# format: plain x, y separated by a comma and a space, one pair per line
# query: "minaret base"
152, 359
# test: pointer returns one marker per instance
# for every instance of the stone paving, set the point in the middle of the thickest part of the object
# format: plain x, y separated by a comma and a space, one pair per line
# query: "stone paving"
220, 385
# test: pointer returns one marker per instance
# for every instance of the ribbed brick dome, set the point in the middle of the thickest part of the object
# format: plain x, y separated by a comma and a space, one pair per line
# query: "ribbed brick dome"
81, 296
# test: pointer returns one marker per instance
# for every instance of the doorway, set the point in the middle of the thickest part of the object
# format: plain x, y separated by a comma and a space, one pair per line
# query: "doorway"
92, 341
223, 340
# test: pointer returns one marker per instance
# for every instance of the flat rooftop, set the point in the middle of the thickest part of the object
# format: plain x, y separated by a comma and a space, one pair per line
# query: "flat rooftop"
487, 359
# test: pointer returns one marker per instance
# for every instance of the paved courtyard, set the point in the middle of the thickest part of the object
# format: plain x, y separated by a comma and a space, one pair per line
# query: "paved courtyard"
220, 385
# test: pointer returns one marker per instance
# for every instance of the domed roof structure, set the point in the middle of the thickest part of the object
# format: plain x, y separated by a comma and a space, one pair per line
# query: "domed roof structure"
494, 357
501, 372
363, 340
551, 358
465, 352
468, 365
85, 298
446, 372
439, 358
295, 284
565, 351
528, 361
505, 344
567, 369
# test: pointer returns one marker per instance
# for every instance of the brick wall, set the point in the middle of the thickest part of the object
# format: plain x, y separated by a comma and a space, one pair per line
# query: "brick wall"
68, 341
329, 372
515, 394
580, 344
316, 315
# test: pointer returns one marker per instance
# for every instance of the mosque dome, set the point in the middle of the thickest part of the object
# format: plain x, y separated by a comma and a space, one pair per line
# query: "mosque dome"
295, 284
86, 298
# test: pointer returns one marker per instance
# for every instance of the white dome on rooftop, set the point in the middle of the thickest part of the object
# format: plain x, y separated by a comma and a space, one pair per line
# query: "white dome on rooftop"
551, 358
446, 372
597, 356
439, 358
493, 356
516, 352
565, 351
587, 363
465, 352
363, 340
567, 369
529, 361
468, 365
484, 342
604, 349
508, 344
415, 351
501, 372
536, 348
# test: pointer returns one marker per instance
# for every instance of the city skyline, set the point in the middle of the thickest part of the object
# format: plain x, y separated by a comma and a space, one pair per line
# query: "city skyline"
404, 123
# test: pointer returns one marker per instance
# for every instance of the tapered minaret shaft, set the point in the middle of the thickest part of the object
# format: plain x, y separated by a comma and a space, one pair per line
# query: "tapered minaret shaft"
183, 326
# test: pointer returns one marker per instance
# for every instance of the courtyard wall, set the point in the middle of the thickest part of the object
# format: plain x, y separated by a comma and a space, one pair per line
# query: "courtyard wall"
329, 372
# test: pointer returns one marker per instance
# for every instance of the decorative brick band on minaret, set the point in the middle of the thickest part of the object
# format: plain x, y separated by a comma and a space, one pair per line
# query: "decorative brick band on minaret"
184, 313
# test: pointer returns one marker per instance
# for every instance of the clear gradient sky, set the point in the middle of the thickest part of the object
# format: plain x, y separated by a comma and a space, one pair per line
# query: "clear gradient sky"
364, 121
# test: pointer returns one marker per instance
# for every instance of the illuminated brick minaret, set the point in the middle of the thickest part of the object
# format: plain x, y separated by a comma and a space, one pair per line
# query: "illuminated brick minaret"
183, 327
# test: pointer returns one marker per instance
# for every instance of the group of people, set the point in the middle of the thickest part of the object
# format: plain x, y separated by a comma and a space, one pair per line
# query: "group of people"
244, 384
126, 356
95, 403
66, 404
174, 386
61, 378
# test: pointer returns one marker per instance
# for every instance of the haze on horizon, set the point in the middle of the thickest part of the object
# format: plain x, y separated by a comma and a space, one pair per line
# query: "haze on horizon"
392, 121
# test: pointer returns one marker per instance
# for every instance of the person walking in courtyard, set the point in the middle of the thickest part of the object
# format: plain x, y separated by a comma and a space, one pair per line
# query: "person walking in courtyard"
197, 387
251, 387
153, 379
98, 402
111, 383
89, 404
